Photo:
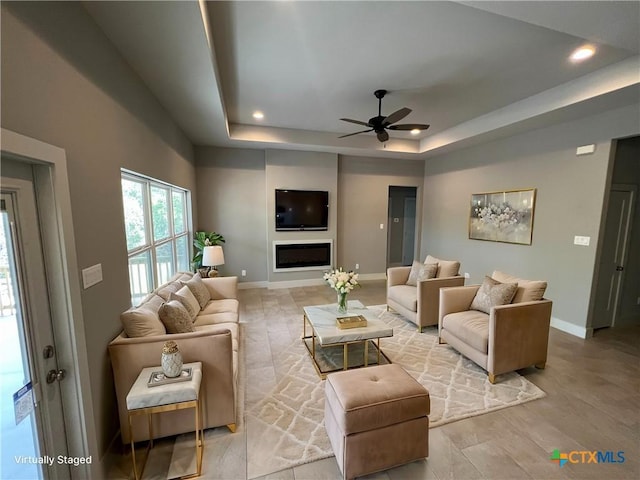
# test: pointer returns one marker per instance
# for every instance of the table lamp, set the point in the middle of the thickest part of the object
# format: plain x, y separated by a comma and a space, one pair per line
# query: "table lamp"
212, 256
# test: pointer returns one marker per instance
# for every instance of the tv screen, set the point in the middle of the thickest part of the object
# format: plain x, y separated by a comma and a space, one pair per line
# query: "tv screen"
302, 210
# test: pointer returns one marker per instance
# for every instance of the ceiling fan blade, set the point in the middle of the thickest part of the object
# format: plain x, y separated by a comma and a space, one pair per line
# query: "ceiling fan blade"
356, 133
383, 136
396, 116
357, 122
409, 126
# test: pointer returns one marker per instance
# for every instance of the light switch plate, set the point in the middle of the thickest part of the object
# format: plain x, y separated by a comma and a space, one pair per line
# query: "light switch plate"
583, 241
92, 275
586, 149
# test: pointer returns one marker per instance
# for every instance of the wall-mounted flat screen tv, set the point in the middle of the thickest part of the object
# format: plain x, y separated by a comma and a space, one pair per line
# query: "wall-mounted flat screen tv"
302, 210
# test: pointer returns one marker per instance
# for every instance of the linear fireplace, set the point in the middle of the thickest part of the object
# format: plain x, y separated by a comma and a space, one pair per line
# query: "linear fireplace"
301, 255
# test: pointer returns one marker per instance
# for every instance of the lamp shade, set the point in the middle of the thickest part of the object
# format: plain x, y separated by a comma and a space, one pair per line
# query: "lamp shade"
212, 256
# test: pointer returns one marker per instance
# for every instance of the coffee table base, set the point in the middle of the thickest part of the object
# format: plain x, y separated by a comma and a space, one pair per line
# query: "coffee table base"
344, 356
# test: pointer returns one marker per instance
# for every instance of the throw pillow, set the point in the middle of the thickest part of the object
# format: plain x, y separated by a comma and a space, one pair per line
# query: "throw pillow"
528, 290
184, 296
199, 290
493, 293
446, 268
143, 320
421, 271
175, 317
166, 290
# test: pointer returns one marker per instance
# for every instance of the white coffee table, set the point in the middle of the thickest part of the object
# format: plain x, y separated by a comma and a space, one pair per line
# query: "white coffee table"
324, 332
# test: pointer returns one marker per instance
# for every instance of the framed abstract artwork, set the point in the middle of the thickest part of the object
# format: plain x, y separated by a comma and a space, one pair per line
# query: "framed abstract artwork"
502, 216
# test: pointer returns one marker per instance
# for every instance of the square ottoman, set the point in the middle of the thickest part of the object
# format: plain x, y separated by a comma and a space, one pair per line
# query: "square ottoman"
376, 418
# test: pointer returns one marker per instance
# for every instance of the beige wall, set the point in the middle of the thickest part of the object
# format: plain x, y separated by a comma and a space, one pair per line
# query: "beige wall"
569, 202
63, 83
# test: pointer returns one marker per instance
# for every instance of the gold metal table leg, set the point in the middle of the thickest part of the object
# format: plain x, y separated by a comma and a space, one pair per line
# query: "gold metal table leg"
345, 365
366, 353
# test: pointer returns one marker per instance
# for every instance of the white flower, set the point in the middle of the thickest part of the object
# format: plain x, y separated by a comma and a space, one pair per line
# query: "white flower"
341, 281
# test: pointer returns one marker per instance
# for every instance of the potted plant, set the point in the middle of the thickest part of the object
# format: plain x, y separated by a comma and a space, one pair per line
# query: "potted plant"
201, 240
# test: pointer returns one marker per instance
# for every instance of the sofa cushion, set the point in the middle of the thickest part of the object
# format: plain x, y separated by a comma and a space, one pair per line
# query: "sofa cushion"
421, 271
446, 268
220, 306
405, 295
199, 289
231, 326
528, 290
471, 327
167, 289
184, 296
492, 293
175, 317
144, 320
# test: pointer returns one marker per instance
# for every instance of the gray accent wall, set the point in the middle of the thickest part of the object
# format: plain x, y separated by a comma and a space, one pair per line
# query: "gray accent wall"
231, 192
64, 83
569, 202
363, 184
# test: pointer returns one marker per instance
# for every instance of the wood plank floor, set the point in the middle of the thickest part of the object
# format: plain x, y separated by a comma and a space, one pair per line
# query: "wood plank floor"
592, 404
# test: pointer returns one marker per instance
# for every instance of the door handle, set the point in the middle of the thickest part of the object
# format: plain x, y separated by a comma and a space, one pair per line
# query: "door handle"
619, 268
53, 375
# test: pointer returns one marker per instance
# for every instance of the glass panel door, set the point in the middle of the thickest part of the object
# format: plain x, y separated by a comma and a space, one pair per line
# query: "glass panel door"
20, 438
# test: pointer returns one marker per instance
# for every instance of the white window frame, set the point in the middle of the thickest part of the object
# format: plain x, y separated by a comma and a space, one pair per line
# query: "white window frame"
150, 245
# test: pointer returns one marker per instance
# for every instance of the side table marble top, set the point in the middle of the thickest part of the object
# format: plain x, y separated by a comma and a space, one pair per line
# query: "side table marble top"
143, 396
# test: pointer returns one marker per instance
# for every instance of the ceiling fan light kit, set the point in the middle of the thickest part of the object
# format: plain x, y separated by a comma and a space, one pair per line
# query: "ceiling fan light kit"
381, 124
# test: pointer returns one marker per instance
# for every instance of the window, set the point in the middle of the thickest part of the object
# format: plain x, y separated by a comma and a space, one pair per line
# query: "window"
158, 230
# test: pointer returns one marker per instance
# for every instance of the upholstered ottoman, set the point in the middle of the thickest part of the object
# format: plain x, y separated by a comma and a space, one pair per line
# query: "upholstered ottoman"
376, 418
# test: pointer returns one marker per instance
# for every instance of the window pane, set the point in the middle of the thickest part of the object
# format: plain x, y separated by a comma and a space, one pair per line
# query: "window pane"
140, 280
178, 212
160, 212
134, 218
182, 252
164, 262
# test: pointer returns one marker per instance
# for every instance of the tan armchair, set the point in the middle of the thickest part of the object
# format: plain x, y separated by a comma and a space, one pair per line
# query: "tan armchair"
510, 337
420, 303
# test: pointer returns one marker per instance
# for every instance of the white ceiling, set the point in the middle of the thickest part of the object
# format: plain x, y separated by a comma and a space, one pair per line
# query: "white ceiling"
472, 70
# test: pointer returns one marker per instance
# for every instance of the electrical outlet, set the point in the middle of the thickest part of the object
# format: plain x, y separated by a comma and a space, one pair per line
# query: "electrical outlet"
243, 273
382, 226
357, 266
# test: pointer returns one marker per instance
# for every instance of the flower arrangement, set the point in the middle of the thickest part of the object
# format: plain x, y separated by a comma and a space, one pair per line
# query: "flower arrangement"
499, 216
342, 282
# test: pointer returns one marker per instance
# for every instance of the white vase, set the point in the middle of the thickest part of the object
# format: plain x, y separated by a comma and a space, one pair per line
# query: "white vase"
171, 360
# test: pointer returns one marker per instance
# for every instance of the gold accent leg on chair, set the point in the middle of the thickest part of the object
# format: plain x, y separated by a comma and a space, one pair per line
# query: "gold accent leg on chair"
232, 427
441, 342
540, 365
492, 378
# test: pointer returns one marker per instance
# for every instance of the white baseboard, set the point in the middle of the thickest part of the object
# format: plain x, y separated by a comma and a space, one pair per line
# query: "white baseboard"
571, 328
246, 285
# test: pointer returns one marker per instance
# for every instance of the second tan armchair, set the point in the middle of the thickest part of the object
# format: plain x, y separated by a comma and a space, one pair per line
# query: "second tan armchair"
509, 337
419, 302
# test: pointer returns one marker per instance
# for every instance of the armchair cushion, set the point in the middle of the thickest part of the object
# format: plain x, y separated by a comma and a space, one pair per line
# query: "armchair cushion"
528, 290
405, 295
472, 327
492, 293
446, 268
421, 271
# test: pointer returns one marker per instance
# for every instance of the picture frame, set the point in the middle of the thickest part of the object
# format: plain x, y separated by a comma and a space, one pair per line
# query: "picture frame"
503, 216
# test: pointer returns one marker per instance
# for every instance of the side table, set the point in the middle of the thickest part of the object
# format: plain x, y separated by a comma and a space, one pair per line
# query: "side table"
145, 400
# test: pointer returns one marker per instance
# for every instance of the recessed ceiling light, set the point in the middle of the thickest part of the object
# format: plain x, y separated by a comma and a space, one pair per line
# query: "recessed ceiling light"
258, 115
415, 131
582, 53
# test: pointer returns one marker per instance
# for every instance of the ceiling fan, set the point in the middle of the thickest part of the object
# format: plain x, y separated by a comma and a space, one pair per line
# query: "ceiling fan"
381, 124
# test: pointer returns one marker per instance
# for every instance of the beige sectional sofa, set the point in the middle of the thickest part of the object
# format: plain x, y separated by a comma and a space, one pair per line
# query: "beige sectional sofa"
213, 341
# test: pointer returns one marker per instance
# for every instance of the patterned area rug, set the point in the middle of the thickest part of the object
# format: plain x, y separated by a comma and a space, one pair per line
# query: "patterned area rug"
285, 425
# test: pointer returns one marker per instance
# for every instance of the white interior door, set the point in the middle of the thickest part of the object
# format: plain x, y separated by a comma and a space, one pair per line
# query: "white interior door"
33, 434
613, 256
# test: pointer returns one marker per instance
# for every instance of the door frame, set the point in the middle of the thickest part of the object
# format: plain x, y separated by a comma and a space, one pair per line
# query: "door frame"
49, 164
